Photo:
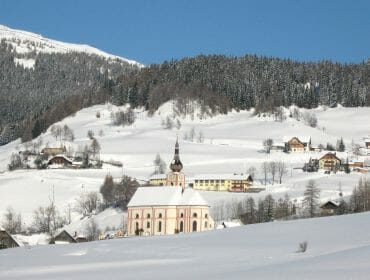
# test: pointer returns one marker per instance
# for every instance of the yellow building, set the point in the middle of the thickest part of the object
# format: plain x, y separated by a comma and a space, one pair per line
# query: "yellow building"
223, 182
158, 180
167, 210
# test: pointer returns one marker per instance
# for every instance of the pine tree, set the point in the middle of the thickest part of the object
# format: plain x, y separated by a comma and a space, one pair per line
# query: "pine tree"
311, 198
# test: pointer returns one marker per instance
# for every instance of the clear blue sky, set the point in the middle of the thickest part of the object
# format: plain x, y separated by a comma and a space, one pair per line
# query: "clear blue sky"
151, 31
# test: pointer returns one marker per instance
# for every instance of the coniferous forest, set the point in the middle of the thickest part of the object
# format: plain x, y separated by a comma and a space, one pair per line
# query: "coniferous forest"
32, 99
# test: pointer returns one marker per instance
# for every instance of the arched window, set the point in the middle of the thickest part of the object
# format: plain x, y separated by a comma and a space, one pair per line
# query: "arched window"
195, 215
136, 226
160, 215
206, 216
182, 215
195, 226
137, 216
205, 224
148, 225
159, 226
148, 216
181, 226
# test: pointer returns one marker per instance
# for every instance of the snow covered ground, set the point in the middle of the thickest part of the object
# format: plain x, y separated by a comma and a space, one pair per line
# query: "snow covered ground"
338, 248
26, 42
232, 143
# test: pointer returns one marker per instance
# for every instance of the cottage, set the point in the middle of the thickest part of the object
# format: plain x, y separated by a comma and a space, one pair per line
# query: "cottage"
297, 144
329, 208
63, 237
330, 162
60, 160
223, 182
6, 240
167, 210
53, 151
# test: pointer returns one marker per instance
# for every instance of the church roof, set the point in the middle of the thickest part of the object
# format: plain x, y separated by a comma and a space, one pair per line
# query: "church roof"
166, 196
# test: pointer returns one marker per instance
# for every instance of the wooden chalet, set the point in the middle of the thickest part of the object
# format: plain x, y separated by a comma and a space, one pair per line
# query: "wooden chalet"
297, 144
7, 241
60, 160
329, 208
330, 162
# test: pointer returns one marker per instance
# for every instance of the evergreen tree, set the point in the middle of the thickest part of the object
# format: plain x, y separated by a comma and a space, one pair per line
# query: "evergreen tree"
311, 199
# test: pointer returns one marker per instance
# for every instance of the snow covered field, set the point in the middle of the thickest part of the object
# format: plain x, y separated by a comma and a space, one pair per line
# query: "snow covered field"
232, 143
338, 248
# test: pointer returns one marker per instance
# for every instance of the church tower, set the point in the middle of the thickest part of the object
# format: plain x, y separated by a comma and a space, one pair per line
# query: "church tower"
176, 177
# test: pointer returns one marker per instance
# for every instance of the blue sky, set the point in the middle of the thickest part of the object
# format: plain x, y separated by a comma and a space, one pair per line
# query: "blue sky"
151, 31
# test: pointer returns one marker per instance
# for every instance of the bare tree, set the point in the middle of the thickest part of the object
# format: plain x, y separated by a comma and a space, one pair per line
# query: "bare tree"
125, 190
92, 230
12, 221
273, 170
107, 190
200, 138
265, 170
87, 203
47, 219
281, 170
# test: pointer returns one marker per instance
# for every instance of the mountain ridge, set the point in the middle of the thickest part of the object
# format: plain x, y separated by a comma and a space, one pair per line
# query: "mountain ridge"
21, 39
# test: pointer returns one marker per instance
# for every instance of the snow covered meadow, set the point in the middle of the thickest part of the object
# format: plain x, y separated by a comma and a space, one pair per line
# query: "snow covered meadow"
232, 143
337, 248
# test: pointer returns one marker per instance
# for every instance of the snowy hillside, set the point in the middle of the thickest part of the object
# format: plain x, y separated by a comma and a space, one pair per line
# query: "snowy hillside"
232, 143
338, 248
25, 42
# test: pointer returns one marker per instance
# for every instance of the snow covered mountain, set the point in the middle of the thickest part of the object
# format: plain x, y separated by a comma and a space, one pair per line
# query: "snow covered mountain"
26, 42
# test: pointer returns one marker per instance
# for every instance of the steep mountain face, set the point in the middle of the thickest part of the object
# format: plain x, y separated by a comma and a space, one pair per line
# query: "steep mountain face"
42, 81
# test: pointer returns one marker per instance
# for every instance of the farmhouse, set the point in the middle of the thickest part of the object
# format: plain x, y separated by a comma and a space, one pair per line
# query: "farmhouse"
329, 162
64, 237
223, 182
60, 160
297, 144
6, 240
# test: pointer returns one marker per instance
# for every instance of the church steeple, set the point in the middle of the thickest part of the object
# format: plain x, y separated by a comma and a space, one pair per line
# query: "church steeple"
176, 165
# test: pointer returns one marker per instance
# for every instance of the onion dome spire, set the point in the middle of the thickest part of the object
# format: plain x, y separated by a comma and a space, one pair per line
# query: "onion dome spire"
176, 165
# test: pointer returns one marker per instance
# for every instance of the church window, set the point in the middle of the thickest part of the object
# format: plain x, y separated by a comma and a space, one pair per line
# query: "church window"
148, 225
182, 215
205, 224
195, 215
159, 226
160, 215
148, 216
136, 226
181, 226
137, 216
206, 216
195, 226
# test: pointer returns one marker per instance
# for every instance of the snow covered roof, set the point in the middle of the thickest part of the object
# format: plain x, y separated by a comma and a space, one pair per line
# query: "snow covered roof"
158, 176
303, 139
166, 196
61, 156
221, 176
367, 140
